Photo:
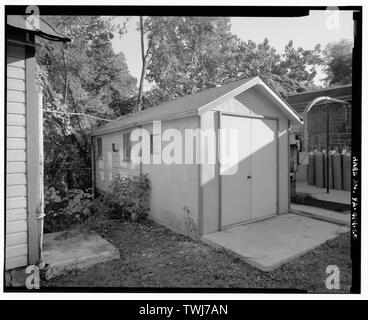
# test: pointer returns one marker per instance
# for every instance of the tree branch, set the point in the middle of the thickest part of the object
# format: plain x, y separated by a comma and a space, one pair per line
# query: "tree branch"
144, 66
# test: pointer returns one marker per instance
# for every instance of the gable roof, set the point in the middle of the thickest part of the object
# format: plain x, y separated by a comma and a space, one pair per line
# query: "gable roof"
193, 104
43, 29
301, 99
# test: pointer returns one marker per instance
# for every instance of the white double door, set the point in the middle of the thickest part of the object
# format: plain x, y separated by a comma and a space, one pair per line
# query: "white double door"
250, 192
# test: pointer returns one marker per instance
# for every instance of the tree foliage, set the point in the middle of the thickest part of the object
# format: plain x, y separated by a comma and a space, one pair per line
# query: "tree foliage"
85, 76
339, 62
182, 55
190, 54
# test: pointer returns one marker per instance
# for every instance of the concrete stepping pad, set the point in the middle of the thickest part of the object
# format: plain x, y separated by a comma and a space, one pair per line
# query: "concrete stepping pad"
67, 251
322, 214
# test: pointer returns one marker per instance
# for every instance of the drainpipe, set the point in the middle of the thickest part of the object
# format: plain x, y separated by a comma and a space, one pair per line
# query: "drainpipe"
41, 214
305, 115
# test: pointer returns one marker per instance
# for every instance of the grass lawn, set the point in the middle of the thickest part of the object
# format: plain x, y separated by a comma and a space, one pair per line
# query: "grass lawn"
153, 256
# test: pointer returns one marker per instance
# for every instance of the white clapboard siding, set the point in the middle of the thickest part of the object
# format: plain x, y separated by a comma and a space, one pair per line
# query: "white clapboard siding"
16, 214
16, 120
16, 143
16, 226
16, 107
15, 262
14, 239
16, 202
16, 84
15, 155
15, 73
15, 96
15, 132
16, 250
16, 167
13, 179
15, 62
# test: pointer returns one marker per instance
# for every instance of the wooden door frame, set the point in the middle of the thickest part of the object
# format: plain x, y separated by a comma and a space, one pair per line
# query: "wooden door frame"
257, 117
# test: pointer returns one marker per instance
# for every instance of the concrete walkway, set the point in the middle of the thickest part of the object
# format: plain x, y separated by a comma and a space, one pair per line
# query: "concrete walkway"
322, 214
339, 196
71, 250
270, 243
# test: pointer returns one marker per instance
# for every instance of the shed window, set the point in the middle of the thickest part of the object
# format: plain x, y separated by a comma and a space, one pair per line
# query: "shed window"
99, 147
114, 149
127, 146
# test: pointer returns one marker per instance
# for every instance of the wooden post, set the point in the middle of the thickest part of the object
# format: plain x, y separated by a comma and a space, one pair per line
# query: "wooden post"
33, 156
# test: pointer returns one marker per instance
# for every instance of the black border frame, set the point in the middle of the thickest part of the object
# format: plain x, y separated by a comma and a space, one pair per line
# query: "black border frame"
233, 11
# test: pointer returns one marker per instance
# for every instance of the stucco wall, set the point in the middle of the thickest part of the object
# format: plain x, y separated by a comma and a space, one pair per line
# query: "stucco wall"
111, 163
174, 194
174, 187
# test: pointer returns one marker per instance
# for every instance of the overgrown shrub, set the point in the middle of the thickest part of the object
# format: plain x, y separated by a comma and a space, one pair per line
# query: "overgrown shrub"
65, 208
100, 218
129, 196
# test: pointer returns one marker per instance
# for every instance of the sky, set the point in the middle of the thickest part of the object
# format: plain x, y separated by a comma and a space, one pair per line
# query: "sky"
319, 27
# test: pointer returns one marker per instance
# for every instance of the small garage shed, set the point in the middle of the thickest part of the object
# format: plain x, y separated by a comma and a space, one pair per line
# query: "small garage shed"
24, 177
201, 198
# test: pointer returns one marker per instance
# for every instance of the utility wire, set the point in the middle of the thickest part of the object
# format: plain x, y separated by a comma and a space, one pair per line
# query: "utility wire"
77, 114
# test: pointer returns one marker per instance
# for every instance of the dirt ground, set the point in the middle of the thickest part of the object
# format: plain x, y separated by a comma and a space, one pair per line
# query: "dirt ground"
153, 256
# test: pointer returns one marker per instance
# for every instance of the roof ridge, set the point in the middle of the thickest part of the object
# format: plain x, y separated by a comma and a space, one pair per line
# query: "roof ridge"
318, 90
191, 104
183, 97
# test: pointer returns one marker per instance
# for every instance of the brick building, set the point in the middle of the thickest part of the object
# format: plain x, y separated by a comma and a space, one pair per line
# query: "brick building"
340, 117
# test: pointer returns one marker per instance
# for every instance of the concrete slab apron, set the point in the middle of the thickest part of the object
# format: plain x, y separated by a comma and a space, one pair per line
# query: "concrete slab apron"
68, 251
270, 243
323, 214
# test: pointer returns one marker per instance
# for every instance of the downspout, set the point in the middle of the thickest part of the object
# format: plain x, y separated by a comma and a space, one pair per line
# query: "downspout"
93, 165
41, 214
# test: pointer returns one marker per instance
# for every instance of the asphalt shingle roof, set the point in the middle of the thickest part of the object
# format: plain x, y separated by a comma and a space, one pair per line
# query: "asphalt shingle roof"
181, 105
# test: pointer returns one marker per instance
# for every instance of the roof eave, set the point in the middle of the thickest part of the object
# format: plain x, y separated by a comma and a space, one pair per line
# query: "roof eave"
126, 126
44, 30
287, 109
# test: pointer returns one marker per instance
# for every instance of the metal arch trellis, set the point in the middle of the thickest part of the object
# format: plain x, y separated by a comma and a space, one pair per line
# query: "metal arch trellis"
309, 106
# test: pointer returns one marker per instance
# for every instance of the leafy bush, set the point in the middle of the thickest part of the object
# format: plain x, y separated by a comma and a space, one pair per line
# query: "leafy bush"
65, 208
100, 217
129, 196
79, 202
